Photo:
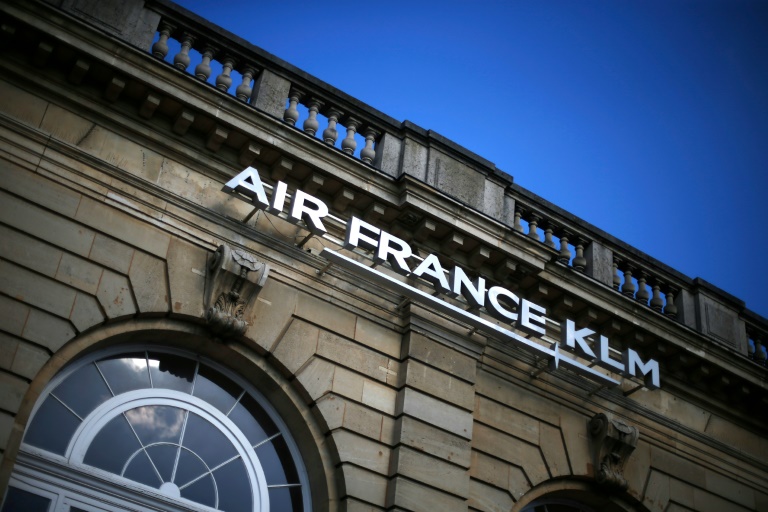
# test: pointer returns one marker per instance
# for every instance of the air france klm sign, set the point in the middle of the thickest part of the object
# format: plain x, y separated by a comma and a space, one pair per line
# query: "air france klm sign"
499, 302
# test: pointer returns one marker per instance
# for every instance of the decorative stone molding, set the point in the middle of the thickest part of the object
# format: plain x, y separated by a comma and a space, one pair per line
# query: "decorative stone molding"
613, 443
233, 280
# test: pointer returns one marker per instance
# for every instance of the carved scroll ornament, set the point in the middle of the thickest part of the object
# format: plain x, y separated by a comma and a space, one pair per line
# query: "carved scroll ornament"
233, 280
613, 443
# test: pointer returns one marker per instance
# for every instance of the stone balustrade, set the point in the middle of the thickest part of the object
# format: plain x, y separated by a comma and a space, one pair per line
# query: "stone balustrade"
402, 149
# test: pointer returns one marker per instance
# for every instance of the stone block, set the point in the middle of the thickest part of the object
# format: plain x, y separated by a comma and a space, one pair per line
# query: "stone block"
297, 346
429, 470
507, 420
378, 337
348, 383
29, 252
720, 321
708, 502
438, 384
13, 315
12, 390
65, 125
379, 396
21, 105
327, 315
513, 450
36, 290
435, 412
352, 505
111, 253
577, 442
517, 398
47, 330
363, 484
86, 312
114, 296
730, 489
415, 158
6, 426
79, 273
489, 499
599, 262
388, 150
270, 314
493, 201
8, 347
455, 178
363, 420
431, 440
39, 190
45, 225
636, 469
489, 470
28, 360
435, 354
128, 20
270, 93
352, 355
657, 492
553, 450
330, 410
672, 464
149, 280
186, 278
518, 482
361, 451
405, 494
316, 378
682, 493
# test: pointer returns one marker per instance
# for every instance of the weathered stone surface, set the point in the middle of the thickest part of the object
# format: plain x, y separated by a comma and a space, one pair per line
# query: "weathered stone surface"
517, 398
13, 315
552, 448
599, 262
455, 178
270, 314
6, 425
405, 494
28, 360
45, 225
657, 492
378, 337
186, 278
489, 470
672, 464
682, 493
149, 280
21, 105
316, 378
431, 440
129, 20
507, 420
338, 412
636, 469
435, 412
297, 345
114, 296
325, 314
363, 484
111, 253
36, 290
269, 93
438, 355
512, 450
65, 125
437, 383
86, 312
415, 158
348, 384
29, 252
729, 489
47, 330
574, 429
12, 391
430, 470
489, 499
79, 273
361, 451
39, 190
379, 396
352, 355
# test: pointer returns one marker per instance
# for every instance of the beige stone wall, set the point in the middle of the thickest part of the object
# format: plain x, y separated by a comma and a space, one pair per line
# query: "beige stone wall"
101, 227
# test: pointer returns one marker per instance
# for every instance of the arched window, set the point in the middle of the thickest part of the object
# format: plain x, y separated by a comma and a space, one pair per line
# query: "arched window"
556, 505
155, 430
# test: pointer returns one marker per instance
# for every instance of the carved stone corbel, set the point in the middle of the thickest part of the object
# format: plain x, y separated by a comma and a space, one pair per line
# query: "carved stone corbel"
613, 443
233, 280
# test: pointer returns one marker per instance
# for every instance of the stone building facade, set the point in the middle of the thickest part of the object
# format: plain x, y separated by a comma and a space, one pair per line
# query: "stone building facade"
243, 289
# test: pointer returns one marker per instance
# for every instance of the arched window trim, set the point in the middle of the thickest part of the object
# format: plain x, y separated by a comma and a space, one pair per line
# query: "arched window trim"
31, 457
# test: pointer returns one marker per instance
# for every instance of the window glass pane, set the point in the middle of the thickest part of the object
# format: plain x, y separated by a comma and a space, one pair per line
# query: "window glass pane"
141, 470
125, 372
157, 423
164, 457
189, 468
83, 391
112, 446
216, 389
252, 420
171, 372
277, 463
201, 492
52, 427
286, 498
207, 441
234, 487
17, 500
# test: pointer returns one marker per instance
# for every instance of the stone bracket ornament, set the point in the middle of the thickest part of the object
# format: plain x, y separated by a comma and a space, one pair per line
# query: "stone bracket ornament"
613, 443
233, 280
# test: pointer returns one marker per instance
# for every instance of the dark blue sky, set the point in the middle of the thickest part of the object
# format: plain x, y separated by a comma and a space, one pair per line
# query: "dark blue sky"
648, 119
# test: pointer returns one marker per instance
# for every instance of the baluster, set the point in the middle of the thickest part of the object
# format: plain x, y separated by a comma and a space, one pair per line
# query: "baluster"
669, 308
203, 70
642, 294
751, 347
657, 303
533, 223
291, 114
181, 60
224, 81
760, 355
367, 154
579, 261
330, 134
628, 288
565, 252
518, 226
160, 48
310, 123
243, 91
616, 275
349, 144
548, 241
